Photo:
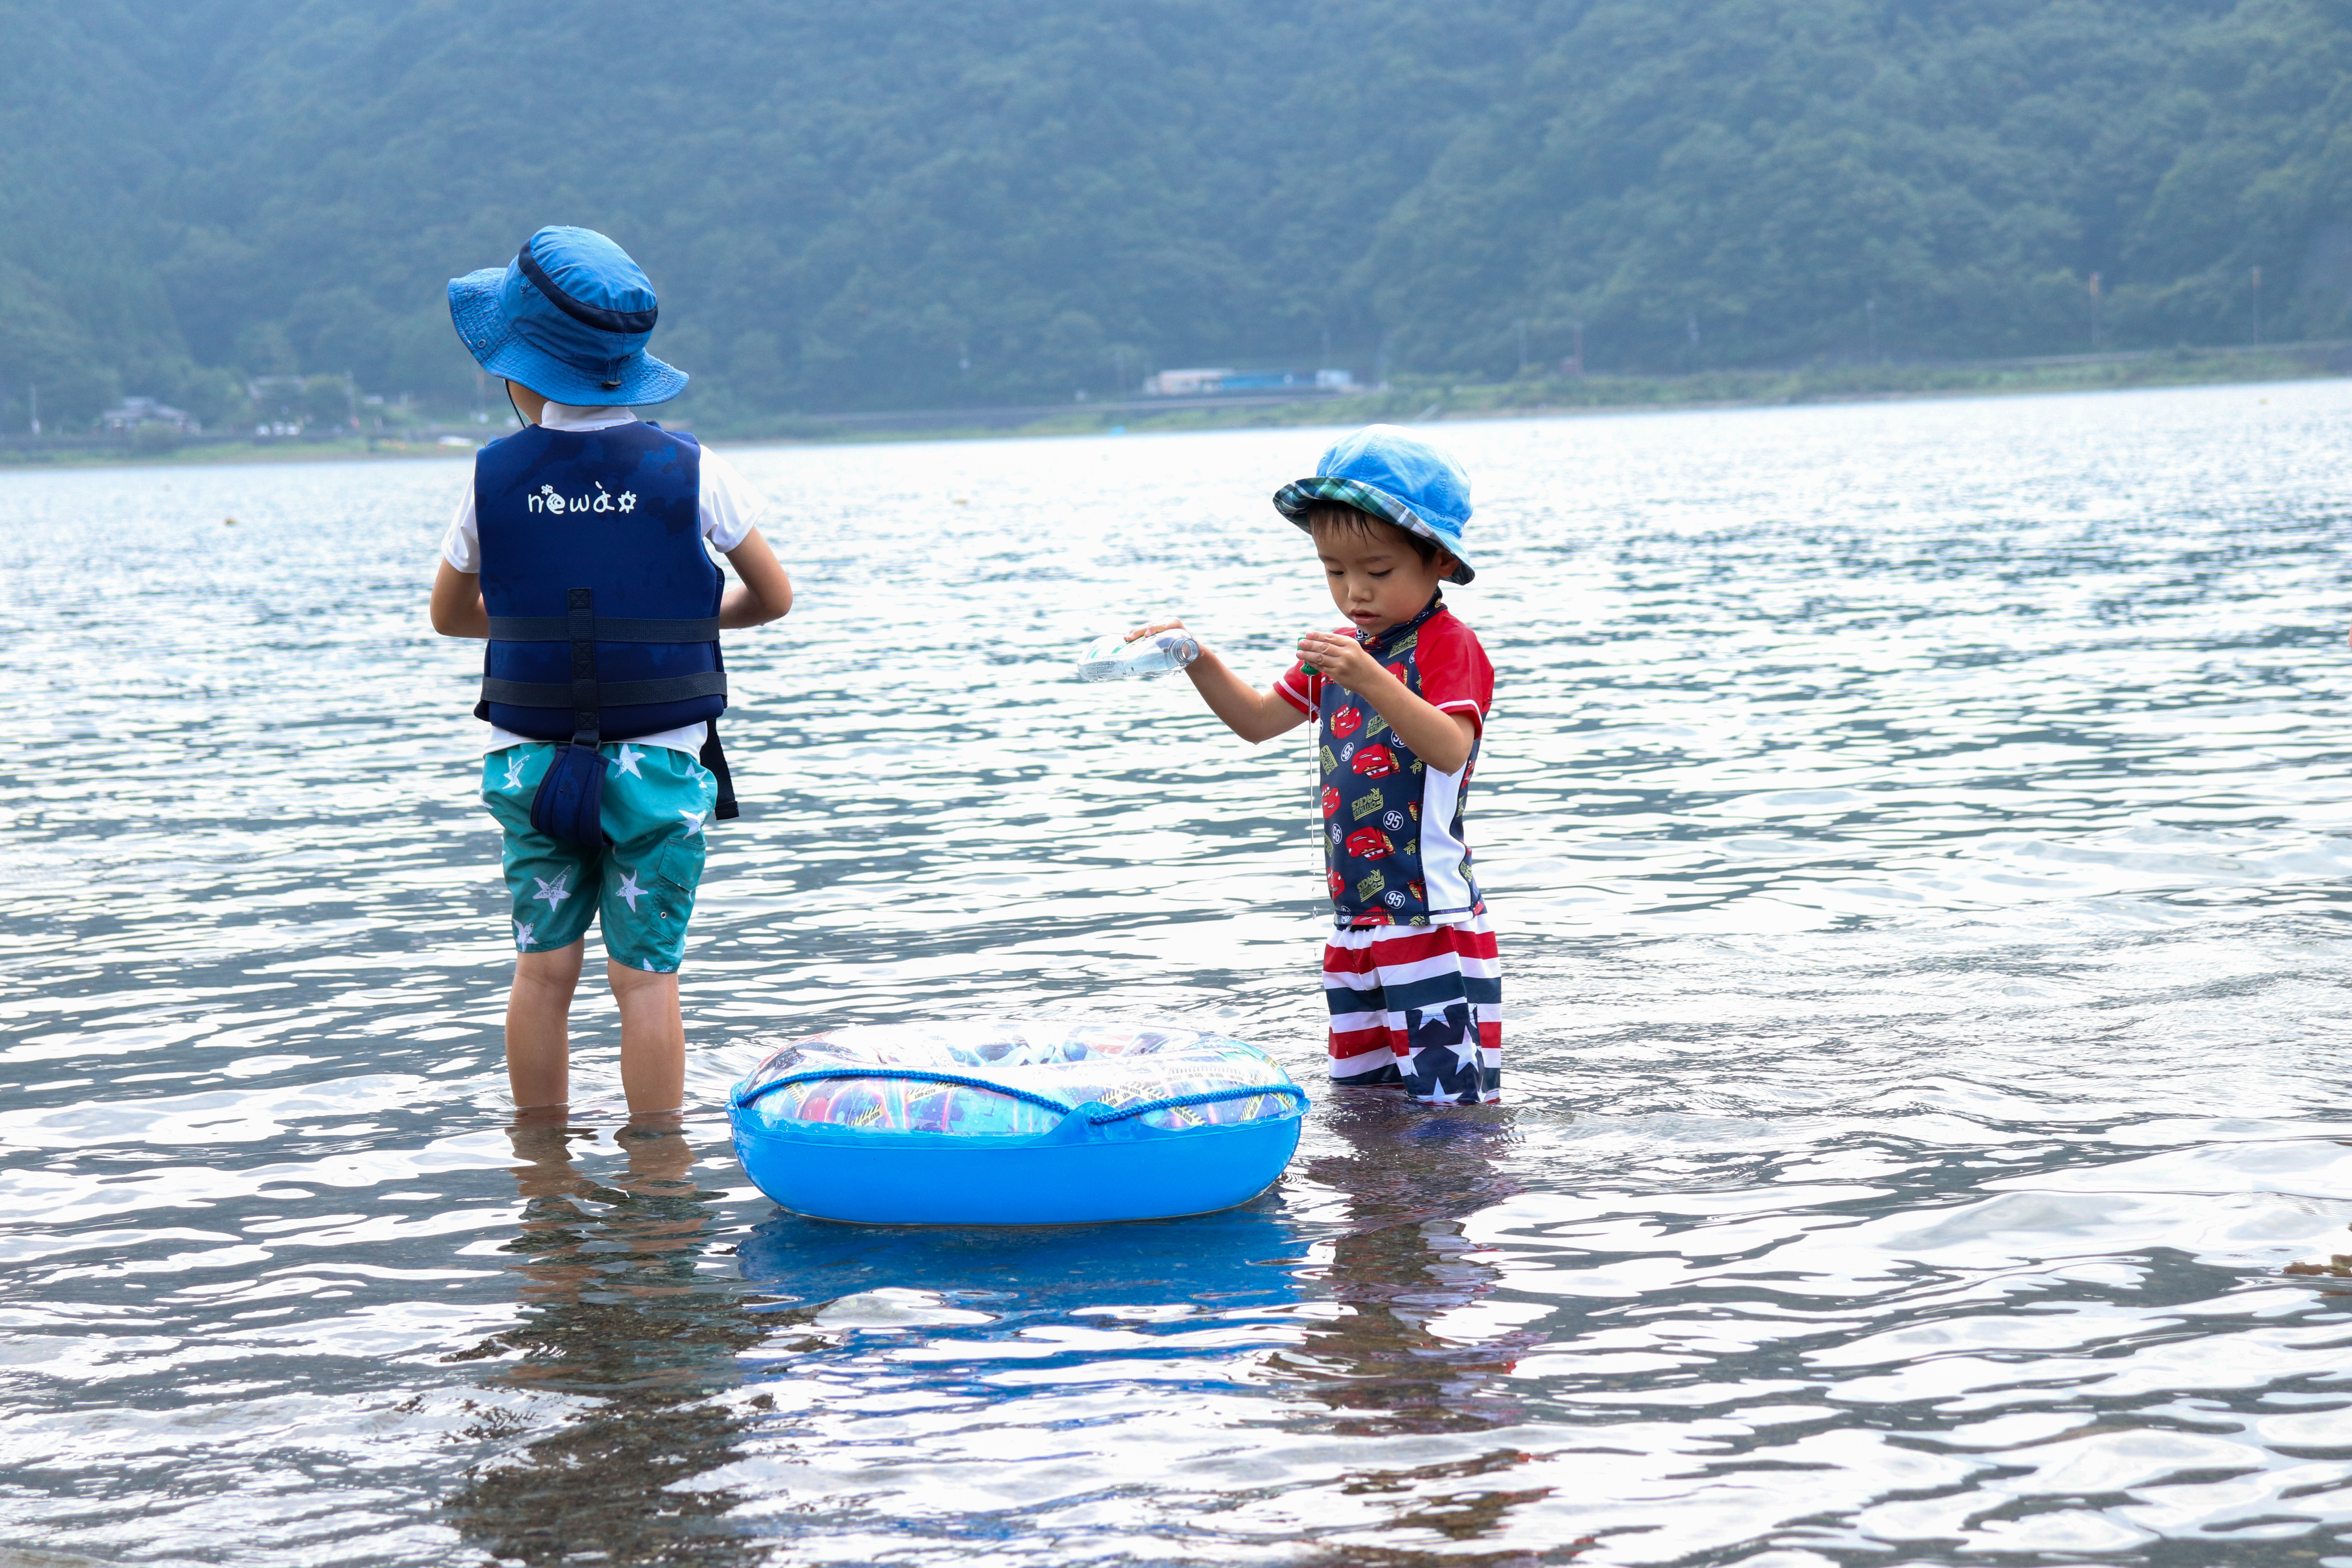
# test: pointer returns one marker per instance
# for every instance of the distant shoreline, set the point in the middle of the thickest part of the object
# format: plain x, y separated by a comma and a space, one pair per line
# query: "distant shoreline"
1410, 400
1419, 400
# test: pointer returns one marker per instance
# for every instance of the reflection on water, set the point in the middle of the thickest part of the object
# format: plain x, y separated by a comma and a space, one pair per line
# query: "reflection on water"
836, 1277
613, 1308
1919, 836
1403, 1273
1407, 1352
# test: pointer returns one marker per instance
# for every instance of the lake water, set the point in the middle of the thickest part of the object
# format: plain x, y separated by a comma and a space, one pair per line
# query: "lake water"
1919, 833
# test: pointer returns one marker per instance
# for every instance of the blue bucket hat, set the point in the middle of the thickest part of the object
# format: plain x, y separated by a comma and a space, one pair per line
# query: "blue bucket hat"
568, 318
1396, 477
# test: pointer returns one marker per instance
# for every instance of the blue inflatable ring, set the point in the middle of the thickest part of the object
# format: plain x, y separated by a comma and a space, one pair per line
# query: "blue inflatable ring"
1014, 1124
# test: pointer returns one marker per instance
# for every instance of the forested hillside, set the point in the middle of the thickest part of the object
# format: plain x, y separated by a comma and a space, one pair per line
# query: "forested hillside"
910, 203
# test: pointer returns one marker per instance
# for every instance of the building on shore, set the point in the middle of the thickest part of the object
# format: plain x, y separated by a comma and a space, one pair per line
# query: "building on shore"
1185, 382
1211, 382
133, 413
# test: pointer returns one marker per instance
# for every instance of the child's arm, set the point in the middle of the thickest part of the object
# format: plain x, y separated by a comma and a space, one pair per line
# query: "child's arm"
766, 591
456, 609
1251, 714
1442, 740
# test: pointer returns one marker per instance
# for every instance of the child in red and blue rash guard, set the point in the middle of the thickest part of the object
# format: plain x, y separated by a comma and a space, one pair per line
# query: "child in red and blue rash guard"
1400, 697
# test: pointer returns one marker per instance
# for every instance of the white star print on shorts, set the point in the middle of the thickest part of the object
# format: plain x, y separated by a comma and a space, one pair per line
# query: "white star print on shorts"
638, 887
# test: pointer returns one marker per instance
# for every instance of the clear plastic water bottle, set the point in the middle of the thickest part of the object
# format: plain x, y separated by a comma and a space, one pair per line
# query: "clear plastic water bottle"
1115, 658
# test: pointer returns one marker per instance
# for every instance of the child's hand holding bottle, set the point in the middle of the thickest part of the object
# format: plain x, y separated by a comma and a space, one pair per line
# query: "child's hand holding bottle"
1148, 650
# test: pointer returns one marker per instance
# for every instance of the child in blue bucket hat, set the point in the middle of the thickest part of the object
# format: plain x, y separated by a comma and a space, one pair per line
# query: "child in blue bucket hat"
1400, 695
582, 552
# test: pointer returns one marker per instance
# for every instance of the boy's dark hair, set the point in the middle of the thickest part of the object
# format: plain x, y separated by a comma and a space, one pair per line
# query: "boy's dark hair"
1341, 518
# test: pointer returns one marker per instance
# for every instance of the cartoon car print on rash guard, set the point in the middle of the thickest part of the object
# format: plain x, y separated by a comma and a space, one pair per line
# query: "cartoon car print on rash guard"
1386, 860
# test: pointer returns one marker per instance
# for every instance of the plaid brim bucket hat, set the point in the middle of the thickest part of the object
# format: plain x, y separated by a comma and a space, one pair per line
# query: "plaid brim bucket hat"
568, 318
1397, 477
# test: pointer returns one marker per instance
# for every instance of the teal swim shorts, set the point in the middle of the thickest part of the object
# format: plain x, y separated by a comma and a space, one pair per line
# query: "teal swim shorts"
641, 883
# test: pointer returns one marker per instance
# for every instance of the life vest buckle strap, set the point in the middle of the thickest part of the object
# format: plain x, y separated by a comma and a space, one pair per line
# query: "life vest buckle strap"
586, 716
559, 694
609, 628
587, 719
714, 761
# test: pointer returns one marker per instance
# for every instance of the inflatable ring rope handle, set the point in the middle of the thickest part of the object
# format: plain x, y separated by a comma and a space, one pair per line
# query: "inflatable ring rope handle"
919, 1075
911, 1075
1206, 1097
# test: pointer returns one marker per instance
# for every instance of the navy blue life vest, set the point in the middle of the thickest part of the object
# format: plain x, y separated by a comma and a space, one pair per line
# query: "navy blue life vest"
603, 605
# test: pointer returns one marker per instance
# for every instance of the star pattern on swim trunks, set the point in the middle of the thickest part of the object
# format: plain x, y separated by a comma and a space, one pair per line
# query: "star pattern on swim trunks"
627, 761
629, 892
554, 892
514, 773
1457, 1074
693, 821
523, 937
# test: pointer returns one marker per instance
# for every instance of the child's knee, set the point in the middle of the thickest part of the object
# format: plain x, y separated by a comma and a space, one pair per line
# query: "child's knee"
548, 969
631, 984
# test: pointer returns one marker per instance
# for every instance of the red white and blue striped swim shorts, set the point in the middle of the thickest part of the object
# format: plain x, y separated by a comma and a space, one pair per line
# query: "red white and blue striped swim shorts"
1418, 1005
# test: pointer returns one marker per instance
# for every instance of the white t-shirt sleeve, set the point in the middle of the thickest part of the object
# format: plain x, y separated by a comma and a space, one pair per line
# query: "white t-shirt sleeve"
462, 546
729, 507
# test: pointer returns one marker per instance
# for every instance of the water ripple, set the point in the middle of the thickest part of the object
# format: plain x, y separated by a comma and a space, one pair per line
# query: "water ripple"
1917, 832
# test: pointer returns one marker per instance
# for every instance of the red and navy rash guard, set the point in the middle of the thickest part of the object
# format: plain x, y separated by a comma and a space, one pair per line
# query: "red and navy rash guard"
1393, 851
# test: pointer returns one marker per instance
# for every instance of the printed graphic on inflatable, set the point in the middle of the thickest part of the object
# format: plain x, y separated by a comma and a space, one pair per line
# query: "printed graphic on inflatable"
1339, 884
1347, 722
1373, 762
1370, 844
1330, 800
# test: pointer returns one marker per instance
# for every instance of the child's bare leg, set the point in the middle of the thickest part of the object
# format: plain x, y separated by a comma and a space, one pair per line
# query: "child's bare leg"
539, 1008
653, 1039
